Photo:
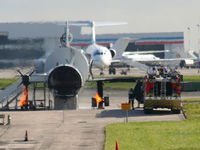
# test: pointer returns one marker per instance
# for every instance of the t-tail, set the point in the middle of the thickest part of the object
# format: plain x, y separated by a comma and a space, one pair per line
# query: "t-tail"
94, 24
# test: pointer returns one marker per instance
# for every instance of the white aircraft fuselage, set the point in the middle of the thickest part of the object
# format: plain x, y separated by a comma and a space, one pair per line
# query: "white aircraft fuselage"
138, 57
101, 55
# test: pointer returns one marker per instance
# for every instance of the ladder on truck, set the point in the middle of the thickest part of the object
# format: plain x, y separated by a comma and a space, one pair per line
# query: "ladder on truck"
163, 88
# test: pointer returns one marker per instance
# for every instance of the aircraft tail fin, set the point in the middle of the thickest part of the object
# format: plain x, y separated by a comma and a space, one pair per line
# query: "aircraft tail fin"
94, 24
120, 46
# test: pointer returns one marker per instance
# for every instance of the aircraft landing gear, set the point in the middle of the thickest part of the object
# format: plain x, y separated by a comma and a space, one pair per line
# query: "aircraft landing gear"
112, 70
101, 72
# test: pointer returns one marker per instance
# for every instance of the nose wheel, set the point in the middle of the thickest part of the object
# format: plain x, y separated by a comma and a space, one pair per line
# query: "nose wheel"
101, 72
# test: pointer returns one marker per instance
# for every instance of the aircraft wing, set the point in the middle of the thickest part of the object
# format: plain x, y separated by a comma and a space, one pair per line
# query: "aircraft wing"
97, 24
154, 61
143, 64
116, 79
160, 61
136, 64
132, 63
145, 52
101, 24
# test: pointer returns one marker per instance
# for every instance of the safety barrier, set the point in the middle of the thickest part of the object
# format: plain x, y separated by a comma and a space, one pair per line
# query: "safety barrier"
4, 119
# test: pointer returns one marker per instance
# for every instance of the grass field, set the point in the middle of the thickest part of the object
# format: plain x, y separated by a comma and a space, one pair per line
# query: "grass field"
128, 85
181, 135
191, 78
190, 100
119, 85
6, 82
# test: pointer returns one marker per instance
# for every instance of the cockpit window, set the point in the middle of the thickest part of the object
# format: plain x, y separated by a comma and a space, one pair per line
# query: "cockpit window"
98, 53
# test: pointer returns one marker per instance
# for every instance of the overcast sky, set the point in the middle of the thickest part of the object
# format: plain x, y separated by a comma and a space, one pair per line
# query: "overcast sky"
141, 15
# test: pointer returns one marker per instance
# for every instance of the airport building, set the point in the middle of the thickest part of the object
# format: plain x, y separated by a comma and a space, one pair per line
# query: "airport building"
3, 37
139, 42
40, 37
173, 41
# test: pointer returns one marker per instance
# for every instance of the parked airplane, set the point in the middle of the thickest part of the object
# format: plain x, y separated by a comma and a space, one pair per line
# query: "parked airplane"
148, 60
101, 56
66, 69
144, 59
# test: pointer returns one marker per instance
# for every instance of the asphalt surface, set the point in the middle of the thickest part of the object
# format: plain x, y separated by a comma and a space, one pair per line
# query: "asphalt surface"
81, 129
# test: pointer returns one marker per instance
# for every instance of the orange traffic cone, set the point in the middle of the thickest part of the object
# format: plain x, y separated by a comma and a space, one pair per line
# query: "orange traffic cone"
116, 146
26, 136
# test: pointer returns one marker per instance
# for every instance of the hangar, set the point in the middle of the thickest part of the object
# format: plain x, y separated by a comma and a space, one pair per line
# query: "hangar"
45, 31
140, 41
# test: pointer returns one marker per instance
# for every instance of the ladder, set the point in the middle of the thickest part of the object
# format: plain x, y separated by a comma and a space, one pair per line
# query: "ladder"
163, 88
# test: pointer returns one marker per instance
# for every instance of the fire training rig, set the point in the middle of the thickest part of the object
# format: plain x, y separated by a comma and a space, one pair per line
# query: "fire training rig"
162, 89
99, 100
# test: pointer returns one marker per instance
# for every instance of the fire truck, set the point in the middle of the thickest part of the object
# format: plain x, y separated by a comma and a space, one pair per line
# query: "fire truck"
162, 89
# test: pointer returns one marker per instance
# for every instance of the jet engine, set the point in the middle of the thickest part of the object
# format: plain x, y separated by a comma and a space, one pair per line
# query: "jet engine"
113, 52
66, 80
67, 70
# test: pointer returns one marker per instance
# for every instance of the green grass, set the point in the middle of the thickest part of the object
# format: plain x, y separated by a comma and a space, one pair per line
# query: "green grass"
128, 85
190, 99
4, 83
174, 135
118, 85
191, 78
114, 85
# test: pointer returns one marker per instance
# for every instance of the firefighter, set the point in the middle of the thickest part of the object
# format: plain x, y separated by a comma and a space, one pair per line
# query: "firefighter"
161, 71
139, 92
131, 97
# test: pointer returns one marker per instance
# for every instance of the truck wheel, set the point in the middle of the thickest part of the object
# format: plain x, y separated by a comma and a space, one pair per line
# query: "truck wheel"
148, 111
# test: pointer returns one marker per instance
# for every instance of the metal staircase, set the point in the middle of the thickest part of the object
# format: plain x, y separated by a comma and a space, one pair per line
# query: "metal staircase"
8, 95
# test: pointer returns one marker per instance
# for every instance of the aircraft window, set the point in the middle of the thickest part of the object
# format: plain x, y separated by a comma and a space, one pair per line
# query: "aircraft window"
97, 52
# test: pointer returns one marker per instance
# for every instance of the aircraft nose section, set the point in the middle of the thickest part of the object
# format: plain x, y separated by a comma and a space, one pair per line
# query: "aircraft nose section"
106, 62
